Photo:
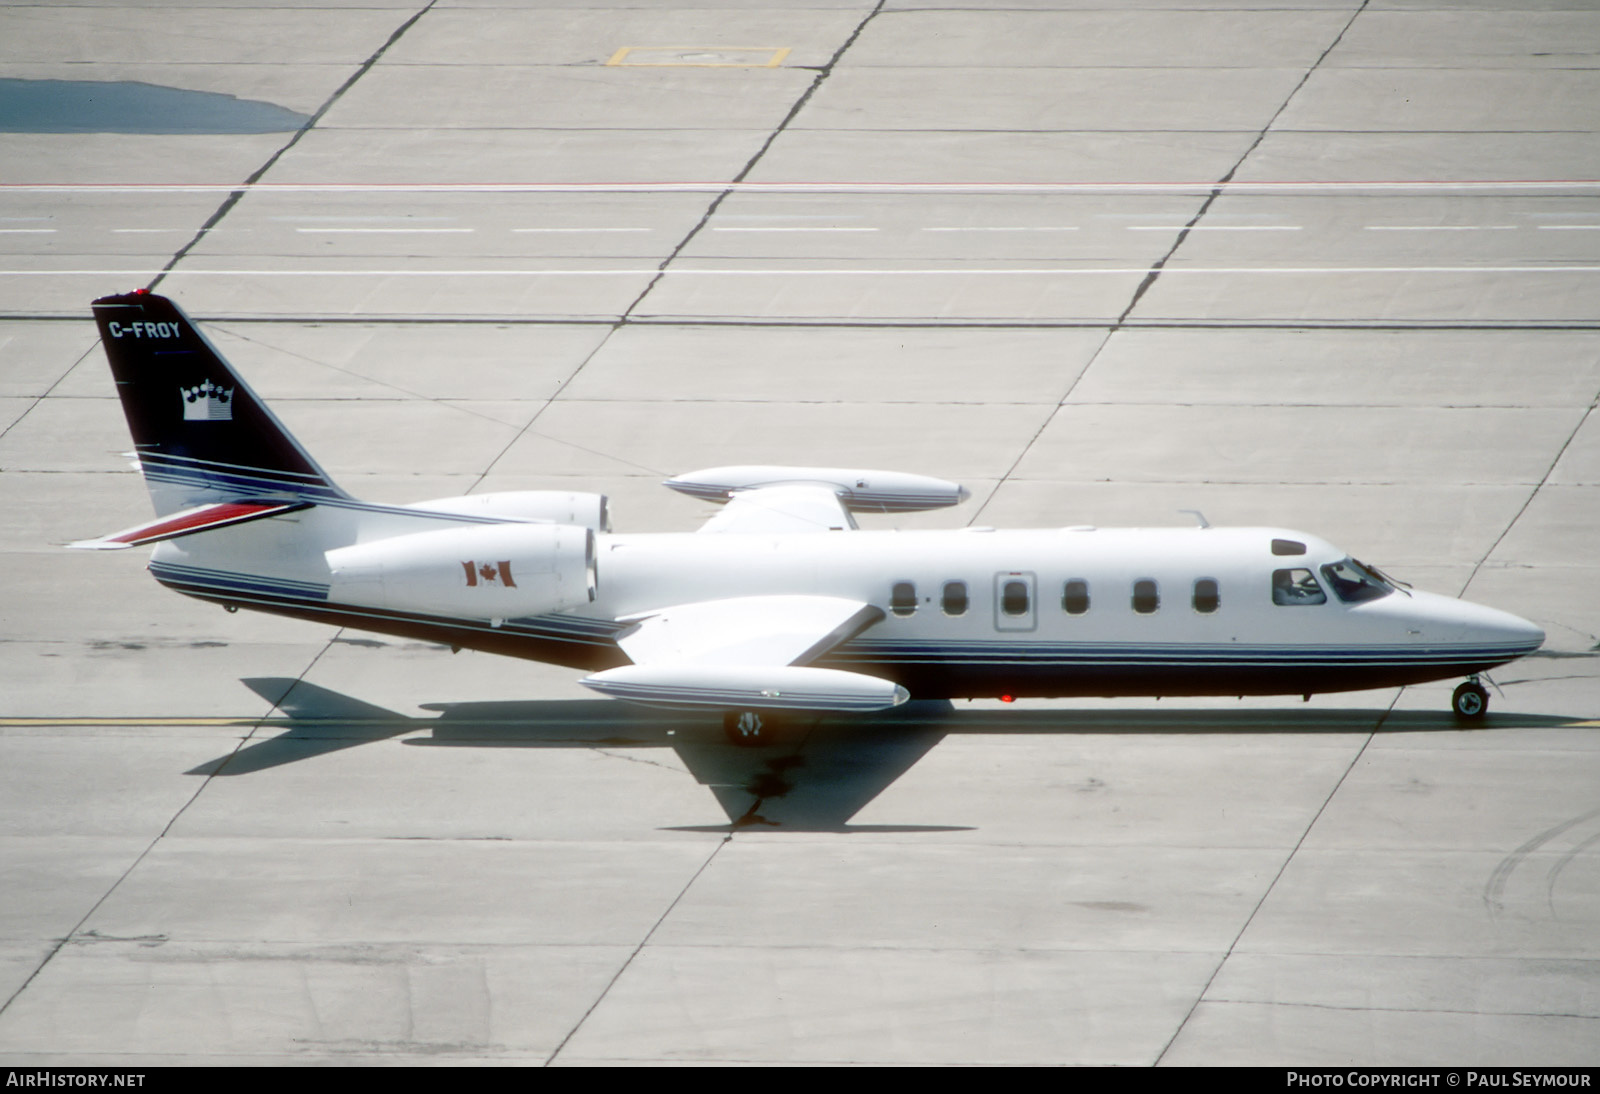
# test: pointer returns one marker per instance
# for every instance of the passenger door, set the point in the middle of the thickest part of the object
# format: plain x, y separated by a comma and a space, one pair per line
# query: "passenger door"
1015, 602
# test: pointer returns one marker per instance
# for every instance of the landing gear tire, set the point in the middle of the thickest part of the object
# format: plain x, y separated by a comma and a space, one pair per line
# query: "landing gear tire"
749, 728
1470, 701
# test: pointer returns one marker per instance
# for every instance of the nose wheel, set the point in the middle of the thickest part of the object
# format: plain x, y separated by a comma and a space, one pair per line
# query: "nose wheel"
1470, 702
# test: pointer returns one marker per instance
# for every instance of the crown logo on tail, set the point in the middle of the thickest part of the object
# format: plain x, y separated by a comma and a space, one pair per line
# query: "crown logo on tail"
207, 402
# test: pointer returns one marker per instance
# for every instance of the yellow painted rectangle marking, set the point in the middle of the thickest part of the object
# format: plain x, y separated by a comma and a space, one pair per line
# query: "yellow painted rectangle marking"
699, 56
278, 720
178, 720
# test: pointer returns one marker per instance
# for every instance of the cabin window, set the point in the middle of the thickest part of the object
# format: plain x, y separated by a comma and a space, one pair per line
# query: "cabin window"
955, 598
1352, 582
1014, 598
903, 598
1206, 597
1294, 588
1288, 547
1075, 596
1146, 597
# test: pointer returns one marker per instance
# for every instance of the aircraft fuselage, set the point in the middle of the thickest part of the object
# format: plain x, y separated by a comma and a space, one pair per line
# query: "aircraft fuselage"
968, 613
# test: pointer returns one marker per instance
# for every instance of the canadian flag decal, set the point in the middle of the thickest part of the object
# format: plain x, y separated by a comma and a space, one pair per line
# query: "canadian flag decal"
487, 573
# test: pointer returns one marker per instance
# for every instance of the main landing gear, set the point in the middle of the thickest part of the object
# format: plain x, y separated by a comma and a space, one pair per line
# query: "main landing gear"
749, 728
1470, 702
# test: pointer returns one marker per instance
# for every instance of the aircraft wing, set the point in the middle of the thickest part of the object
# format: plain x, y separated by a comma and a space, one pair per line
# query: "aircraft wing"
747, 652
746, 630
782, 509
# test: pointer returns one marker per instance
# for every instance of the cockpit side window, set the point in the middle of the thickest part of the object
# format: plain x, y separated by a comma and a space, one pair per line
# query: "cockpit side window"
1353, 583
1296, 588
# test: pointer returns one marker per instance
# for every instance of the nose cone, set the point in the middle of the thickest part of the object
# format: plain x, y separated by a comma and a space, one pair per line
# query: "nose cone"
1461, 621
1520, 631
1494, 627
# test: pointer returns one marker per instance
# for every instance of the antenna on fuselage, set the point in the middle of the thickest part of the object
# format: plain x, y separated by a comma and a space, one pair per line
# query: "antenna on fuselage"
1198, 515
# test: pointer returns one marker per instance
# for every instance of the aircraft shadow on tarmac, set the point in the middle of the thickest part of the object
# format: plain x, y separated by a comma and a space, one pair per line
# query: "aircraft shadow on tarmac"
817, 775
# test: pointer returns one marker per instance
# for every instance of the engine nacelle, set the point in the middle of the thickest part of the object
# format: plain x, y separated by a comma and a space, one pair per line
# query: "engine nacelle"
858, 491
486, 571
590, 511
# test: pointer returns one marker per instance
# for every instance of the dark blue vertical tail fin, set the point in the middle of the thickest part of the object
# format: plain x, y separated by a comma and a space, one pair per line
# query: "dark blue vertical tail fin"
201, 434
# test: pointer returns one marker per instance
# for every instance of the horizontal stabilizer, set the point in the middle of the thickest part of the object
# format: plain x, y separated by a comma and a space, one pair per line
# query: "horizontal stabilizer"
202, 518
756, 687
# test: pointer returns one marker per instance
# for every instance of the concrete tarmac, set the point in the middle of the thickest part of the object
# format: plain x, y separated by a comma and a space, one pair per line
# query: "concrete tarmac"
1324, 264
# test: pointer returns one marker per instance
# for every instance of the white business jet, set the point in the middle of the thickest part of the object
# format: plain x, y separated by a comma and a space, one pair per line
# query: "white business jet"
778, 604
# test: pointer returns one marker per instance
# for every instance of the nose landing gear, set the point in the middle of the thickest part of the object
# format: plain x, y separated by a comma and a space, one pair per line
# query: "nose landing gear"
1470, 702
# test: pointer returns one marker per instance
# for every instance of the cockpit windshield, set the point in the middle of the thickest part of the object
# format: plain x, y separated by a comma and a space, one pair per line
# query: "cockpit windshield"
1353, 582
